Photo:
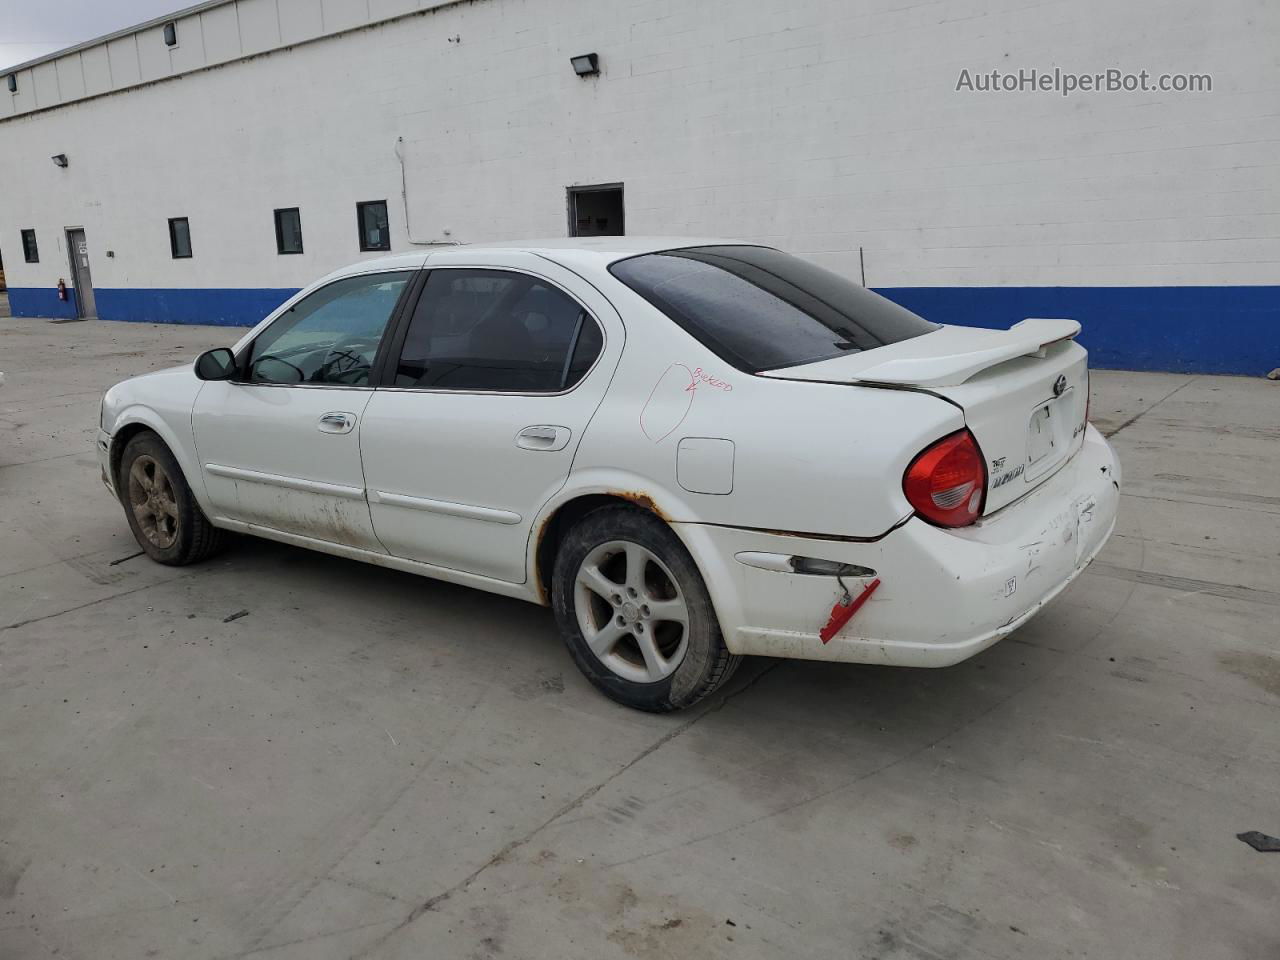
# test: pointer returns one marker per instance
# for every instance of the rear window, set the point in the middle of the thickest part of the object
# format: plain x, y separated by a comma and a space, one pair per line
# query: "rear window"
761, 309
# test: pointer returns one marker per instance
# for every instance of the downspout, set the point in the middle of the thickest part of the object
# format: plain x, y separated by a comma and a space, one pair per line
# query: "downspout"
404, 200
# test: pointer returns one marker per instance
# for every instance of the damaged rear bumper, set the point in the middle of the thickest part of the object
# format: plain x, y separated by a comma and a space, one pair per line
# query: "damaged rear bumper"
944, 596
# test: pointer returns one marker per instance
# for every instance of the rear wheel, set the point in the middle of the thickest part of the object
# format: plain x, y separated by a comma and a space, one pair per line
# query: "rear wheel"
635, 612
166, 521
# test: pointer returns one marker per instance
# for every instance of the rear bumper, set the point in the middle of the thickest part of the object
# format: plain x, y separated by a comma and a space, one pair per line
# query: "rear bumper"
944, 595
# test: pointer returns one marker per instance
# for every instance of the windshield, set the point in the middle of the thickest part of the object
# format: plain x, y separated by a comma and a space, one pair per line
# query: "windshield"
761, 309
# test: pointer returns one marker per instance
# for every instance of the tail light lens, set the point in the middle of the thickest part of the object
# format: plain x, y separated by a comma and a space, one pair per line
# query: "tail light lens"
947, 482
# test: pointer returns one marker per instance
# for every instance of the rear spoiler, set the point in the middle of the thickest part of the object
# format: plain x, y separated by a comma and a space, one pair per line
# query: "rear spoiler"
1027, 338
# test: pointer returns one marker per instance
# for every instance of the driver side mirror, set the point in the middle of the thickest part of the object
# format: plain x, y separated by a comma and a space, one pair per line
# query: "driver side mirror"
216, 364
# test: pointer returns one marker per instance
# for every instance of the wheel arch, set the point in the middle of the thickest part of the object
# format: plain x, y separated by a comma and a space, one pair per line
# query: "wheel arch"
560, 517
137, 419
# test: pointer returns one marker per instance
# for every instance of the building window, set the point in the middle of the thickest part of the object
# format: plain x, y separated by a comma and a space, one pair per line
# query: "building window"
29, 249
371, 216
179, 238
596, 211
171, 34
288, 230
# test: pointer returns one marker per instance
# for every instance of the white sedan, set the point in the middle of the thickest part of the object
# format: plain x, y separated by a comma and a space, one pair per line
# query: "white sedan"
692, 451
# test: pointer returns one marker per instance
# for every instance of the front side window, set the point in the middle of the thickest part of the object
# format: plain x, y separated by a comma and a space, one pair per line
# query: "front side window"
288, 230
497, 331
330, 336
179, 238
29, 248
761, 309
372, 219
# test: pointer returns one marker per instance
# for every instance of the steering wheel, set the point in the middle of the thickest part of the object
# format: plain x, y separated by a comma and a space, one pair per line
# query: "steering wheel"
345, 363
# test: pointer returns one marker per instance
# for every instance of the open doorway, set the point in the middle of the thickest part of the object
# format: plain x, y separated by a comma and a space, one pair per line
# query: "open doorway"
596, 211
78, 250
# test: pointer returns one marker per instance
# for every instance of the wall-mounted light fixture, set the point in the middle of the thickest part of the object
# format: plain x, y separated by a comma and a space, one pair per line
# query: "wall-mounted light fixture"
12, 80
586, 65
170, 34
60, 159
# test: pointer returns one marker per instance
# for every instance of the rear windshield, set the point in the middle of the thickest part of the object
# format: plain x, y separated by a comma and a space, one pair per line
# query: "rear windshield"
760, 309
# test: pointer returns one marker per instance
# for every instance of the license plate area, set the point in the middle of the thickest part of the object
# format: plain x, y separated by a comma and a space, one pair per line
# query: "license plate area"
1049, 435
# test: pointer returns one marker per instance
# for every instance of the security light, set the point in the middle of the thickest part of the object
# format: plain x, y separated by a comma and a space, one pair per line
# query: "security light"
60, 159
13, 83
586, 65
170, 35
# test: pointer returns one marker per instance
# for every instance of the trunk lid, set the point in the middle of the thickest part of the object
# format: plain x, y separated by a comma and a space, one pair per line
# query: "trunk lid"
1024, 392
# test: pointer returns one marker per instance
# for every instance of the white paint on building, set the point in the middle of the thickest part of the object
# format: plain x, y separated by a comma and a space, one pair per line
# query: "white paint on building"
820, 126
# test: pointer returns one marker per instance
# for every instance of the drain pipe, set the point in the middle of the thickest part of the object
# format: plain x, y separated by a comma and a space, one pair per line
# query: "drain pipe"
404, 199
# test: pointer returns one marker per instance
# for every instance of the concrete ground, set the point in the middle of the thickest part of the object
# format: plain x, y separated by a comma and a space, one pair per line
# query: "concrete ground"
374, 765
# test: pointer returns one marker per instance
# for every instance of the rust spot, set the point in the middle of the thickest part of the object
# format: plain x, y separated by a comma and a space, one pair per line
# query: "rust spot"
642, 500
544, 595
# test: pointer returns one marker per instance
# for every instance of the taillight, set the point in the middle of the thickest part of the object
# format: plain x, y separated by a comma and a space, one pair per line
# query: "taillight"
947, 482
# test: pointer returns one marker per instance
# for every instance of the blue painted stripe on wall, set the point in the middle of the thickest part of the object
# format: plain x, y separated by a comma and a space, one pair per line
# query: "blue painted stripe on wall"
1222, 329
41, 302
220, 307
1182, 329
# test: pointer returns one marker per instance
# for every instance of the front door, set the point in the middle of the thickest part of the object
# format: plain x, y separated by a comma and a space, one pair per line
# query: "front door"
78, 249
497, 374
280, 445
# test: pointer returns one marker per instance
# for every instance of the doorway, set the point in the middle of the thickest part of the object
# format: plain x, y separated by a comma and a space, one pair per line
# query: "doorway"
596, 211
78, 250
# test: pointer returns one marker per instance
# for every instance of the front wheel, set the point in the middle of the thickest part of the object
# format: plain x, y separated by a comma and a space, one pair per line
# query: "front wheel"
166, 521
635, 613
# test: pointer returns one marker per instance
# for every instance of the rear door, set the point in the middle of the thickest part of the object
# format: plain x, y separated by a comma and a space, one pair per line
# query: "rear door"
491, 384
280, 447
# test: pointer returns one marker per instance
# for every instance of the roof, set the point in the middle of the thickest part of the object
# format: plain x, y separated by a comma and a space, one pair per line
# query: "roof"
210, 34
567, 251
122, 32
609, 248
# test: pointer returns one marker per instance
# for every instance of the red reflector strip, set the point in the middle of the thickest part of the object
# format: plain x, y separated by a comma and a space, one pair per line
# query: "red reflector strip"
843, 612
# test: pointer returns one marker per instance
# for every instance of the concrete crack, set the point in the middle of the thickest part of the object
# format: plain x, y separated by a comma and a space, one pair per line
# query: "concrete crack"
509, 848
1142, 413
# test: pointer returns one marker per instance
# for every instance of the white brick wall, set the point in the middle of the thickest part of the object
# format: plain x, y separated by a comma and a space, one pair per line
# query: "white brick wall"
816, 125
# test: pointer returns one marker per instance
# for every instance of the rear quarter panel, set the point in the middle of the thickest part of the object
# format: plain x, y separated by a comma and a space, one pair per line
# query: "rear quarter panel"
806, 457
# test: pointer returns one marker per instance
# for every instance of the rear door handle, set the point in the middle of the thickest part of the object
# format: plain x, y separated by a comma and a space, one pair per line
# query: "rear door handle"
543, 437
337, 422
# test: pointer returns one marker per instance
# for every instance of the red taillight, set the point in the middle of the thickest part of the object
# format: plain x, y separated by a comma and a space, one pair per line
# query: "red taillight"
947, 482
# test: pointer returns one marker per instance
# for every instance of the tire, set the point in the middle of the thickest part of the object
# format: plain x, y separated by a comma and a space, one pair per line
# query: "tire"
622, 581
165, 519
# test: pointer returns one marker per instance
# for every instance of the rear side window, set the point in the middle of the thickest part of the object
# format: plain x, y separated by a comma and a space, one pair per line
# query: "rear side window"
496, 330
761, 309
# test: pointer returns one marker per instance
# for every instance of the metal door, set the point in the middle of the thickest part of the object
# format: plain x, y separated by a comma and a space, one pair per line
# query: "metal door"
456, 478
86, 307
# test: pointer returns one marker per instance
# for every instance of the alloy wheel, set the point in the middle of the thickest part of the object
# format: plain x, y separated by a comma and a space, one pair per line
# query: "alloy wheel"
154, 502
631, 611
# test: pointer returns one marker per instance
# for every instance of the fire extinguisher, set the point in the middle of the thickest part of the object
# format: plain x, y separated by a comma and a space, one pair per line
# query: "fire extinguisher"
62, 289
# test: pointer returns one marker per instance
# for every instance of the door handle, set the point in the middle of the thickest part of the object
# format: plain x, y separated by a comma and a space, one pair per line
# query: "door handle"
337, 422
543, 437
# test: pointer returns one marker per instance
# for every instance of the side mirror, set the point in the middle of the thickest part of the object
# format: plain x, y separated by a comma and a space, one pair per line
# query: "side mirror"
216, 364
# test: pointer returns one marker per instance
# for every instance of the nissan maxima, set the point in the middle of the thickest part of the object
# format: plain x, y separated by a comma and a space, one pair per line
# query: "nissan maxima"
693, 451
